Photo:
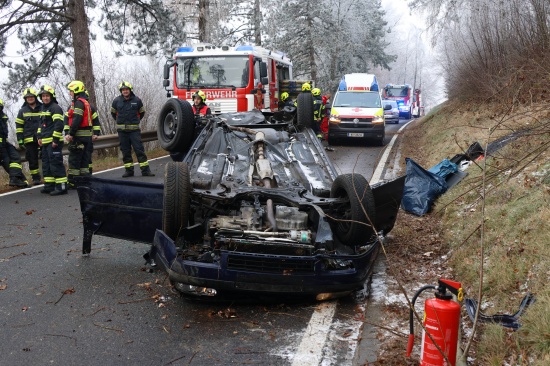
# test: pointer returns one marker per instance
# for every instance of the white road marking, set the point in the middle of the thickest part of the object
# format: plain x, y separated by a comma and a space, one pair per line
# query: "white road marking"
310, 350
377, 175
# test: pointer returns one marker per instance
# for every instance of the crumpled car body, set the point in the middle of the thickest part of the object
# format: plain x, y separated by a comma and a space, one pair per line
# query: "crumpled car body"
254, 206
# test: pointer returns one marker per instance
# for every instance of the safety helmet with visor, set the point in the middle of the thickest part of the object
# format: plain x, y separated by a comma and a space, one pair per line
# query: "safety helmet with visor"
200, 94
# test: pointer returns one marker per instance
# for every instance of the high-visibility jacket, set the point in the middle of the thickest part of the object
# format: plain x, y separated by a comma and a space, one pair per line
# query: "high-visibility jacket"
27, 122
318, 108
4, 130
127, 112
202, 110
79, 117
51, 127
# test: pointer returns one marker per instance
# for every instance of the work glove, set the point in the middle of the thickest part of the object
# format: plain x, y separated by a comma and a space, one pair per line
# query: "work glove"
21, 144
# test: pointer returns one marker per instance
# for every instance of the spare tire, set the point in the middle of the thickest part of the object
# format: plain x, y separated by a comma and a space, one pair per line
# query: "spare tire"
176, 126
176, 199
305, 111
353, 224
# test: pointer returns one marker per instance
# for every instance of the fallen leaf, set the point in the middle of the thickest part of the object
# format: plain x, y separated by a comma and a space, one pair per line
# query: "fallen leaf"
25, 308
3, 287
69, 291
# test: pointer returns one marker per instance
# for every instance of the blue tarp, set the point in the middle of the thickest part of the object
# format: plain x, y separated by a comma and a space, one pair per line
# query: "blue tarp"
444, 168
421, 189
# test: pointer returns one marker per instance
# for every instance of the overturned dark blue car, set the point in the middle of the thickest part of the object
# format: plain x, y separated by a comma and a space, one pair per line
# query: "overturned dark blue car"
253, 206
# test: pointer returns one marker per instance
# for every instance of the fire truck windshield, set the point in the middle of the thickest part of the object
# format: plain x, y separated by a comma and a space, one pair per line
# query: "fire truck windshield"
212, 72
397, 92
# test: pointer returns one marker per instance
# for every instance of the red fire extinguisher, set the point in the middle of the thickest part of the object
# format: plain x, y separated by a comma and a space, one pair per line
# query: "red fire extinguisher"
441, 321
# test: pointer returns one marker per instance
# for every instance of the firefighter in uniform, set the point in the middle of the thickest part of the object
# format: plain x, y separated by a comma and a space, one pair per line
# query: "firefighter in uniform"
285, 101
79, 137
50, 139
200, 109
127, 110
27, 122
318, 111
9, 156
96, 132
96, 128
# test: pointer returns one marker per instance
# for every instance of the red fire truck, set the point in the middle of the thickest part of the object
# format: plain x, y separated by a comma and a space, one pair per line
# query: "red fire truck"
407, 98
235, 79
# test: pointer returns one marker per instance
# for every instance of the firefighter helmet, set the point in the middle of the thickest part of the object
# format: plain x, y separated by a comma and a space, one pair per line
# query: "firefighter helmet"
1, 104
46, 89
316, 92
284, 96
306, 87
124, 85
201, 94
76, 86
30, 92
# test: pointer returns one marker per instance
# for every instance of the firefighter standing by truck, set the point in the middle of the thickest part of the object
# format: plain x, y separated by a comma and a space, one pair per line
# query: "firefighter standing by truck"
200, 109
9, 156
50, 139
127, 110
318, 111
27, 122
79, 137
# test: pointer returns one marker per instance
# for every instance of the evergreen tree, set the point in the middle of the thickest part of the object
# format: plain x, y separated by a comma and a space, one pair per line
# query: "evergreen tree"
328, 38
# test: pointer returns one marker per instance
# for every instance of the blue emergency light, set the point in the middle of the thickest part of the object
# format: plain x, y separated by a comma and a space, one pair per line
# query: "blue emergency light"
185, 49
343, 85
245, 48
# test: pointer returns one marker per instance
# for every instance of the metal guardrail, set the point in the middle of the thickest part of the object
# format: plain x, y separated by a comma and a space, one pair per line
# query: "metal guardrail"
104, 142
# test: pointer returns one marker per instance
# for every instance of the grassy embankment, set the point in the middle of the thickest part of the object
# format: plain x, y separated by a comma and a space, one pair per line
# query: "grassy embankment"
499, 215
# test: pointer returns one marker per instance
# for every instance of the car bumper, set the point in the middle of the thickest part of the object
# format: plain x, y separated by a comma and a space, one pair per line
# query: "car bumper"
280, 274
341, 131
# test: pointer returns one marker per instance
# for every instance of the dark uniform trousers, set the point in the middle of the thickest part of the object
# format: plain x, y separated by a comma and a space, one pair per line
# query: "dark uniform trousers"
78, 157
32, 150
11, 161
129, 140
52, 165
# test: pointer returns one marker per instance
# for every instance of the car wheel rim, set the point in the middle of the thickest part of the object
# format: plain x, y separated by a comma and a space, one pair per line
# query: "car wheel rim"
170, 125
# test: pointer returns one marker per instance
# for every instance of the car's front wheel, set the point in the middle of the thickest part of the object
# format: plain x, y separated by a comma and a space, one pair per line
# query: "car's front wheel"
354, 220
176, 198
176, 126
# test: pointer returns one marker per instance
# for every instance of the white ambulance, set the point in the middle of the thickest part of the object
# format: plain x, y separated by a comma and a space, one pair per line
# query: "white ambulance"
357, 110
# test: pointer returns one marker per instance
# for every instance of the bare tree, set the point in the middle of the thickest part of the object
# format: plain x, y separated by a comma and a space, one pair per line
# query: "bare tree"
54, 31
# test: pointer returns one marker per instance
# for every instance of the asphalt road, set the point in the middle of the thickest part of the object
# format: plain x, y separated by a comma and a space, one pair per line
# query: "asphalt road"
59, 307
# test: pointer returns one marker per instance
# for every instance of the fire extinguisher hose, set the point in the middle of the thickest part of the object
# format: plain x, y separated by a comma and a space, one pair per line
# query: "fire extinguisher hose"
411, 317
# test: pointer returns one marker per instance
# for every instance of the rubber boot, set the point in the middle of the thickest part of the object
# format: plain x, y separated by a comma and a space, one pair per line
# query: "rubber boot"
36, 179
17, 182
48, 188
60, 188
128, 173
147, 172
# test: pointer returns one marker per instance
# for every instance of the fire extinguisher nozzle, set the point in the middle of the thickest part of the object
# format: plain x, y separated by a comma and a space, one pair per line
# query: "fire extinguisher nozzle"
410, 344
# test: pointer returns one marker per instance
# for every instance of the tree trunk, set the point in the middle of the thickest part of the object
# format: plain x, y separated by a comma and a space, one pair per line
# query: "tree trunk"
311, 50
257, 23
203, 21
81, 46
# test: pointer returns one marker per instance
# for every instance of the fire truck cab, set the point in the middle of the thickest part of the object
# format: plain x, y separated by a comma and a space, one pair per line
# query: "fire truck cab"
235, 79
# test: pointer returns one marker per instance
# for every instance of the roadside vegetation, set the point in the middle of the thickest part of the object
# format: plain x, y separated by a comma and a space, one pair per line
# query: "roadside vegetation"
489, 232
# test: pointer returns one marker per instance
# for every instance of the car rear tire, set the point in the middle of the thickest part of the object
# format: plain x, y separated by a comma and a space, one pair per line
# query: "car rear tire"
176, 126
353, 224
305, 111
176, 198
